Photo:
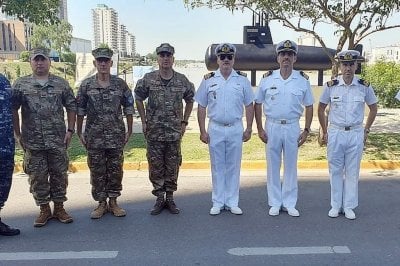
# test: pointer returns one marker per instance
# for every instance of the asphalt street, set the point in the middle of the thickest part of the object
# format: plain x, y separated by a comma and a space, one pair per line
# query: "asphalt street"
195, 238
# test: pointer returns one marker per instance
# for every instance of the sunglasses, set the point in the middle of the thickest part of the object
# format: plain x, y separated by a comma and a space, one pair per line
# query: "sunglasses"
223, 56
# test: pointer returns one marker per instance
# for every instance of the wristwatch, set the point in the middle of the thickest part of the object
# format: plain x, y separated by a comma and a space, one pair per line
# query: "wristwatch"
71, 130
367, 130
185, 122
307, 129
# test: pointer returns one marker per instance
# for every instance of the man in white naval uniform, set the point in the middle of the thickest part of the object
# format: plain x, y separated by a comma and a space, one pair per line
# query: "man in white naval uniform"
345, 135
283, 93
222, 95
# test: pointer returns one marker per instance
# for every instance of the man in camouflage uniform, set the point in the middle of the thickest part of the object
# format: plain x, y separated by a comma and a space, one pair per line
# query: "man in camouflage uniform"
164, 124
42, 98
7, 145
101, 97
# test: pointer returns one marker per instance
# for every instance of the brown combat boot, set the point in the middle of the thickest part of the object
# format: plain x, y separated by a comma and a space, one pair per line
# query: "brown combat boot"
115, 209
60, 213
158, 206
44, 215
170, 204
99, 211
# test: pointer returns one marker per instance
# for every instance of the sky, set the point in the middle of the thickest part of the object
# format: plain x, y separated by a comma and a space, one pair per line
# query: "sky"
191, 31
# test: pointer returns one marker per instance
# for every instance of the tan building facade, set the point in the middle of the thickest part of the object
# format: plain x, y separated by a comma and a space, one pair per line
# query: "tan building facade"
14, 38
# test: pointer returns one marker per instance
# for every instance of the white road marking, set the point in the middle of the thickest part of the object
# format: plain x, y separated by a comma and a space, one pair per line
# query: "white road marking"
65, 255
288, 250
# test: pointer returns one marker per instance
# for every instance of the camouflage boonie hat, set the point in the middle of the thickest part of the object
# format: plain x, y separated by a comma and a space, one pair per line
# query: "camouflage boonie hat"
286, 46
225, 48
349, 56
166, 48
102, 53
43, 51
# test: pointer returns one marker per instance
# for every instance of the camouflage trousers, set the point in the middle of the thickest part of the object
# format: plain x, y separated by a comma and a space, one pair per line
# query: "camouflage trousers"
164, 158
105, 172
47, 171
6, 172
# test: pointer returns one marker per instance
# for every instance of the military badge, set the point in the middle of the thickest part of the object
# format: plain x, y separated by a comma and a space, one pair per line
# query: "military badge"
269, 73
332, 82
209, 75
304, 75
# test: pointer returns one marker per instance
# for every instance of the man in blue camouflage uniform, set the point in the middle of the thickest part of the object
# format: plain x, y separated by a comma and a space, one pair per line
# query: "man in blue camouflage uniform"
101, 98
164, 123
44, 137
7, 146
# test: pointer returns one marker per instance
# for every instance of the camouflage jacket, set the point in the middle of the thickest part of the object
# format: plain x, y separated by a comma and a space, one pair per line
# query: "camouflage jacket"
164, 109
7, 142
42, 110
103, 107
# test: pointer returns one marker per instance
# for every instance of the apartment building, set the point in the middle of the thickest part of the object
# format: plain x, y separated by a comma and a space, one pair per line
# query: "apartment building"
105, 26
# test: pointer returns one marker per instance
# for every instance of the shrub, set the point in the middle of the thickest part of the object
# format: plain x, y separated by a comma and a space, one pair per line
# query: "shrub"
385, 79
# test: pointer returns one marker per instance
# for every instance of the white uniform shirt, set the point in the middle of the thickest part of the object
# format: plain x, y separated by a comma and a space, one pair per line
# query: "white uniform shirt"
398, 96
284, 99
347, 102
225, 98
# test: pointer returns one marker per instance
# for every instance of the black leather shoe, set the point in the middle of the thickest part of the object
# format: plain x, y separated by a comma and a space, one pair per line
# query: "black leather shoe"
5, 230
170, 205
158, 206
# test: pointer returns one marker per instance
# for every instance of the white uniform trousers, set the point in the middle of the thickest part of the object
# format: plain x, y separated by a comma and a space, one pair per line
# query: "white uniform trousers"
282, 141
344, 157
225, 147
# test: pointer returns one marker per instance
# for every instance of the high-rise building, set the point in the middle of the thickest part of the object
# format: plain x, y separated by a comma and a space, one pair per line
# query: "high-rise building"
130, 44
62, 13
105, 26
122, 40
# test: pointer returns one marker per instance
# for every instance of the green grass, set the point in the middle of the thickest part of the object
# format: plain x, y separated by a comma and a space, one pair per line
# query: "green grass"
384, 146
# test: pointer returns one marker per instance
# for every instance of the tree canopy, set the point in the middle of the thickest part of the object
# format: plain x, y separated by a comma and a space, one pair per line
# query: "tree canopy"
36, 11
353, 20
57, 36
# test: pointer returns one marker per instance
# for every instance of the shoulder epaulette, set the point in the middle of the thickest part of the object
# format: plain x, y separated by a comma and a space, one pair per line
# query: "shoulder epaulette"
363, 82
269, 73
332, 82
241, 73
304, 75
209, 75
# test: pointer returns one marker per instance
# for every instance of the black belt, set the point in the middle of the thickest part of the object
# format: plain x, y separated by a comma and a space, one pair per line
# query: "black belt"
345, 128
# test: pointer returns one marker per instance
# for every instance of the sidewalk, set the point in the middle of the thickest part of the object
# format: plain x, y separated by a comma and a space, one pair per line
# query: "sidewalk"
387, 121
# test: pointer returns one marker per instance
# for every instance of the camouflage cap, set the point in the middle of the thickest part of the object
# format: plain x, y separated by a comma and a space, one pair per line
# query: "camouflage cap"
286, 46
102, 53
225, 48
166, 48
349, 56
43, 51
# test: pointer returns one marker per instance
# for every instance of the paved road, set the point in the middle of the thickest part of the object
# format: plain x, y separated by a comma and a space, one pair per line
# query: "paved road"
196, 238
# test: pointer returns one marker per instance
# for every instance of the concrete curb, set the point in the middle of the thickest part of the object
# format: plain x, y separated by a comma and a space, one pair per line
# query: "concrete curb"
246, 165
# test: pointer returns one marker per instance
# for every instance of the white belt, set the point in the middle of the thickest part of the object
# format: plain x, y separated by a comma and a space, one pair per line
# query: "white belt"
282, 121
345, 128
